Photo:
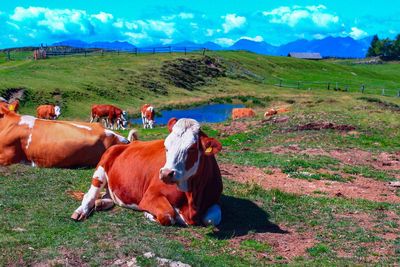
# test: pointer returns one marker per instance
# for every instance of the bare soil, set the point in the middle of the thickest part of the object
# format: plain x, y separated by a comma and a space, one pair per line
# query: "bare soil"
358, 188
382, 161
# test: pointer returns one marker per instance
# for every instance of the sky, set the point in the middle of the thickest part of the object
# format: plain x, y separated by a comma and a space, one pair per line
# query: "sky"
224, 22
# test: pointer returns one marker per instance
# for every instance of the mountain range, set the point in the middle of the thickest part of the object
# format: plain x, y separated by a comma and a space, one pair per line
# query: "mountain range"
345, 47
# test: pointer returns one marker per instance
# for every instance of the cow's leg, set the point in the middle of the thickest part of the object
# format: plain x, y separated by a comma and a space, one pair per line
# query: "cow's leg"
104, 203
213, 215
91, 118
143, 121
98, 182
159, 207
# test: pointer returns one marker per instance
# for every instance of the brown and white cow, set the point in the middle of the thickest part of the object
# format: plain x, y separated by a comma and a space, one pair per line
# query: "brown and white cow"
173, 181
47, 143
48, 112
148, 114
111, 114
239, 113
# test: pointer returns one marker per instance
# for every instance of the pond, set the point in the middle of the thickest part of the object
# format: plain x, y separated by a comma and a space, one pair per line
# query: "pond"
210, 113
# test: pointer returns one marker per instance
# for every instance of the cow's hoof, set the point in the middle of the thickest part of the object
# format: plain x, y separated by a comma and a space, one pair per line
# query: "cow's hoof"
78, 217
103, 204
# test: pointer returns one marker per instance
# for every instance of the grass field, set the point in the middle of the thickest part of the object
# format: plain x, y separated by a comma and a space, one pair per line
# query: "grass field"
296, 192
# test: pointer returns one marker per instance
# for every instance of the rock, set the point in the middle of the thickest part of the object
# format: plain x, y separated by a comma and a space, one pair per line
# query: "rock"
395, 184
132, 263
148, 255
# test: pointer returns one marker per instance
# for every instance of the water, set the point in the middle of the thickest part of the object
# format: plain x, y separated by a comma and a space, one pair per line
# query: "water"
211, 113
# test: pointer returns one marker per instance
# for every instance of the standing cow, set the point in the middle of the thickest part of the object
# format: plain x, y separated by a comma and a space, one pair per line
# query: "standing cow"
111, 114
47, 143
174, 181
148, 114
48, 112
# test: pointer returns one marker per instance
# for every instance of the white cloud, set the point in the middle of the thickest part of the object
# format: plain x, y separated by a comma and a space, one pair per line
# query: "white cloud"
357, 33
258, 38
103, 17
224, 41
184, 15
293, 16
232, 21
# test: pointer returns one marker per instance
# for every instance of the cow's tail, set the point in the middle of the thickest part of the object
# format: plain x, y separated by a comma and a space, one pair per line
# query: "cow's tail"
133, 135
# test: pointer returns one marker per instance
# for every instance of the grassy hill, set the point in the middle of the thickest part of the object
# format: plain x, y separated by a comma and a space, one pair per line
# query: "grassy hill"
76, 82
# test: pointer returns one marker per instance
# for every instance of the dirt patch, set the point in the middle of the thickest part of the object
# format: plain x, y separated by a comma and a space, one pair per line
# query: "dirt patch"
318, 126
359, 187
288, 245
68, 258
236, 127
382, 161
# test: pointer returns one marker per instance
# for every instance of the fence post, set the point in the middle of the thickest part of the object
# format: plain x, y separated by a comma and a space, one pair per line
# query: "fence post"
383, 91
398, 93
280, 83
8, 55
329, 86
154, 50
118, 52
337, 86
185, 51
102, 52
362, 88
346, 88
85, 52
204, 51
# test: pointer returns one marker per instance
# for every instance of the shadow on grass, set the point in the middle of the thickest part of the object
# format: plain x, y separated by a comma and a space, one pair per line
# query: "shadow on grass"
242, 216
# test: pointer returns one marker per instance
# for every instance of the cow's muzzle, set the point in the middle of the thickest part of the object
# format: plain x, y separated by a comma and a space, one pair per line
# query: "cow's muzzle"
167, 176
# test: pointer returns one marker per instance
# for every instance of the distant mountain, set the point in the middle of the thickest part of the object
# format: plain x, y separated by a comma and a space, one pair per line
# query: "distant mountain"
256, 47
116, 45
327, 47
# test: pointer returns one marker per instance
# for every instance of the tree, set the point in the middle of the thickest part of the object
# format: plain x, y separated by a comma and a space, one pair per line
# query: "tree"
375, 48
396, 47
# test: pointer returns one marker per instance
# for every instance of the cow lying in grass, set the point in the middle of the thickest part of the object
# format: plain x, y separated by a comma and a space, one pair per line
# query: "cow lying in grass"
174, 181
47, 143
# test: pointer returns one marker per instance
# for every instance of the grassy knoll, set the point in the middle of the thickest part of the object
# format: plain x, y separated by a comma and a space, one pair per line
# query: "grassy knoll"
260, 225
76, 82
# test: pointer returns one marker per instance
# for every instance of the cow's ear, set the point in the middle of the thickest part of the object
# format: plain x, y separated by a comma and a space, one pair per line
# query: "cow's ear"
171, 123
211, 146
4, 110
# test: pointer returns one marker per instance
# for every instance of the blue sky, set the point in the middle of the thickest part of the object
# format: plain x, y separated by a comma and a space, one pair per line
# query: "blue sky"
220, 21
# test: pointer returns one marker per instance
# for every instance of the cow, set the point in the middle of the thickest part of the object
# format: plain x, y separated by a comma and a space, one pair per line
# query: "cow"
148, 113
111, 114
272, 111
176, 180
48, 112
44, 143
239, 113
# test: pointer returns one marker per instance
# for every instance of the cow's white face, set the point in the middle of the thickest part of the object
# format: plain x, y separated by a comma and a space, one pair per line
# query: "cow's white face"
182, 153
184, 147
57, 111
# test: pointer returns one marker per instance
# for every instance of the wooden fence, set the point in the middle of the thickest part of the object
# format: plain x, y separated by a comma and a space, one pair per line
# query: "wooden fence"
344, 86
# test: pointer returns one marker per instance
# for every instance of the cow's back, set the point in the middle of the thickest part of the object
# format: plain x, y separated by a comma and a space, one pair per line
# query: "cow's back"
68, 144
